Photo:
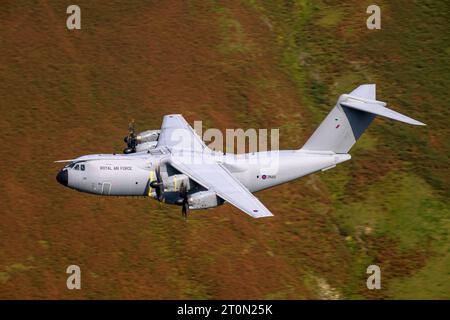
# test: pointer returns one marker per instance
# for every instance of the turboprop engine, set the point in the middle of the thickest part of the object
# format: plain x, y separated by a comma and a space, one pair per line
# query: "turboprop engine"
204, 200
181, 190
142, 141
176, 182
147, 140
148, 136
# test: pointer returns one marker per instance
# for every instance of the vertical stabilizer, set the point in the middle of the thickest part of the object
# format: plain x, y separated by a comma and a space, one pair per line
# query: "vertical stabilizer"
350, 117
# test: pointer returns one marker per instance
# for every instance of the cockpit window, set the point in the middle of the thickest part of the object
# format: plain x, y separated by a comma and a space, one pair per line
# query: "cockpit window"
70, 165
77, 167
82, 167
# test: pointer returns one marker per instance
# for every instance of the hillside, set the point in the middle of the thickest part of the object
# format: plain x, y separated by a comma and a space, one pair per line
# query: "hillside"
233, 64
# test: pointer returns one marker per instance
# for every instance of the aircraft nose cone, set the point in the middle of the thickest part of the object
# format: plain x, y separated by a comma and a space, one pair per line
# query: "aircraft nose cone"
62, 177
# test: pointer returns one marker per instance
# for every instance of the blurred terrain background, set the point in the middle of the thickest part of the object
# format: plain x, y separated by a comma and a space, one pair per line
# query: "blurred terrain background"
233, 64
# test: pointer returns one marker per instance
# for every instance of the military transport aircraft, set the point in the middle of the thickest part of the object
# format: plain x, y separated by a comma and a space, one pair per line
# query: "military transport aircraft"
173, 165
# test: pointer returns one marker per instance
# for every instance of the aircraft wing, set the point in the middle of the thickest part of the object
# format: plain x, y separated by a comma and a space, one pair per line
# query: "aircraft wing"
215, 177
176, 133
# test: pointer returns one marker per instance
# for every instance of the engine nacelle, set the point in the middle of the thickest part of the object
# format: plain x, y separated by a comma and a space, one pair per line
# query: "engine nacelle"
204, 200
146, 146
173, 183
148, 136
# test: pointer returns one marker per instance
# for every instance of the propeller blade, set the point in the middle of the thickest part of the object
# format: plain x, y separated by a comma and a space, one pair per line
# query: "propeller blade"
184, 209
160, 188
130, 139
183, 191
158, 192
131, 128
185, 204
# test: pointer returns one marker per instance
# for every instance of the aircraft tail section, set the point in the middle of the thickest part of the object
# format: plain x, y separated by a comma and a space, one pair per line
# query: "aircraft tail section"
347, 121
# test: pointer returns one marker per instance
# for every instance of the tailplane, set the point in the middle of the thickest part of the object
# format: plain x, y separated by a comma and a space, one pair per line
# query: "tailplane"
347, 121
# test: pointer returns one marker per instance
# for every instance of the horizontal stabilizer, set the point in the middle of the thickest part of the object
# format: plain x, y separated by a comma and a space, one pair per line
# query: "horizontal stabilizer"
377, 108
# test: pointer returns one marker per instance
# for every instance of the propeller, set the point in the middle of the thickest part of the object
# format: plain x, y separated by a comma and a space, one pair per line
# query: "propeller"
130, 139
184, 203
158, 185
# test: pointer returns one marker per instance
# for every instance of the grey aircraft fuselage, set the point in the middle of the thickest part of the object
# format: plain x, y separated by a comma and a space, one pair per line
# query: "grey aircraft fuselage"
166, 164
131, 175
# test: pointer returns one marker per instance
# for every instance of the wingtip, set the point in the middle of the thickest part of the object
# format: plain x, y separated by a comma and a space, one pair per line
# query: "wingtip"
417, 123
265, 215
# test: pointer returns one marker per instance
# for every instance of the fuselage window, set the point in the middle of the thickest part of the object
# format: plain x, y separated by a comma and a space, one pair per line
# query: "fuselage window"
82, 167
77, 167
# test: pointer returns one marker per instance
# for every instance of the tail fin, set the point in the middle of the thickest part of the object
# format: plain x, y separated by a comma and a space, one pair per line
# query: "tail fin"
347, 121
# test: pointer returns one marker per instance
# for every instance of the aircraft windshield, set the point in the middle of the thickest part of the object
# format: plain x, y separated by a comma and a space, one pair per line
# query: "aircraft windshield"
76, 166
70, 165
